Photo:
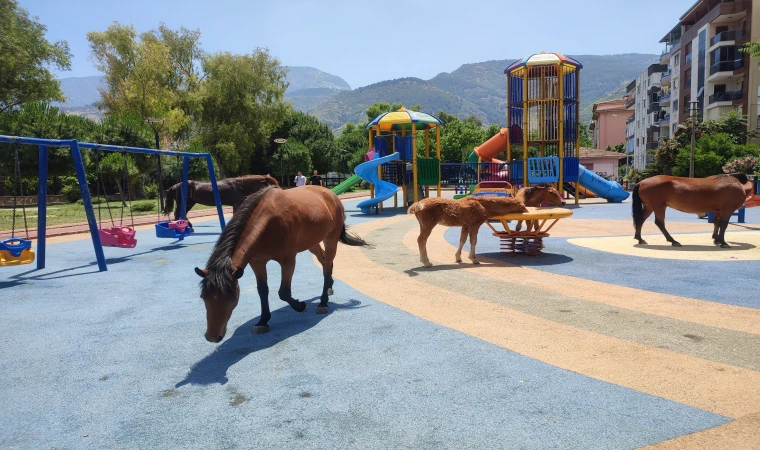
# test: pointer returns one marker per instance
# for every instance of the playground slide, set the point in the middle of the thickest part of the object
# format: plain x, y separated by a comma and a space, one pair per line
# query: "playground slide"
490, 148
608, 190
383, 190
346, 185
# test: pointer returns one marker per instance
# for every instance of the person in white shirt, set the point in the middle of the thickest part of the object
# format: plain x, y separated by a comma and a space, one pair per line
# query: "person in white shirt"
300, 179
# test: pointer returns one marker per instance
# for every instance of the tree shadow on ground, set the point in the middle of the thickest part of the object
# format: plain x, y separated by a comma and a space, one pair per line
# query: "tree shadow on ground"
285, 323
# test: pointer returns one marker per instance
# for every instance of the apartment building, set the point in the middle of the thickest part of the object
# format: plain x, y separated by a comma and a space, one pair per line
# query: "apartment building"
643, 98
701, 69
608, 123
714, 73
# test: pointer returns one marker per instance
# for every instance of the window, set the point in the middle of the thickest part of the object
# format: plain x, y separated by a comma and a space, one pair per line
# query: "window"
677, 60
675, 105
719, 88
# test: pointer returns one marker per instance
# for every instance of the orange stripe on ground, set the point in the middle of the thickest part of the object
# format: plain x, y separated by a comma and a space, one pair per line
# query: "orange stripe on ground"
738, 434
729, 317
715, 387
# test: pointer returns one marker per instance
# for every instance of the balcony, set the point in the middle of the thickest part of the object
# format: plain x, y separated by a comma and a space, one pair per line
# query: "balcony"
631, 87
653, 107
630, 119
630, 101
665, 121
727, 36
666, 77
726, 66
725, 97
664, 98
652, 145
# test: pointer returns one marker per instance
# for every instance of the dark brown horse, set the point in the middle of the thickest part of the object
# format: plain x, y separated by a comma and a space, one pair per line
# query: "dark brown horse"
232, 192
537, 196
272, 224
469, 213
719, 194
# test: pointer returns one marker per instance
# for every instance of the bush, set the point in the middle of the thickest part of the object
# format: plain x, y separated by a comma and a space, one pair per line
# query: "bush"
70, 193
143, 206
95, 200
151, 191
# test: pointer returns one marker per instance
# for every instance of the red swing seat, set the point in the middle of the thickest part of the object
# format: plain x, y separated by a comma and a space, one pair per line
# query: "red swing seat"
122, 237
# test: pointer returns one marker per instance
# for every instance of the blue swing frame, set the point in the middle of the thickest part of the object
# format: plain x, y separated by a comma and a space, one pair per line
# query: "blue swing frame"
76, 155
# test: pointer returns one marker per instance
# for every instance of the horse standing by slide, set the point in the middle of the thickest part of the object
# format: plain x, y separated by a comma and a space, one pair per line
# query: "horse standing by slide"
469, 213
232, 192
719, 194
272, 224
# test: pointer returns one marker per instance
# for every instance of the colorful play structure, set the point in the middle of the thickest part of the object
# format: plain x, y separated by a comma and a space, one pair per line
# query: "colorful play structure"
541, 142
16, 251
392, 160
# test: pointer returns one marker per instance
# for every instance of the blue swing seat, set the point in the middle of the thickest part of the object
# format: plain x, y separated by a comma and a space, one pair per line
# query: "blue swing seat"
15, 251
175, 229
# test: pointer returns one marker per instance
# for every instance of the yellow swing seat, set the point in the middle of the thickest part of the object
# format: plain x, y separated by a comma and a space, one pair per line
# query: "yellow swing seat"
15, 252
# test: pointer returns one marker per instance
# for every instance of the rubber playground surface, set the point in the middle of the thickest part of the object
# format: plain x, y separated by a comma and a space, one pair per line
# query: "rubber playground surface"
599, 343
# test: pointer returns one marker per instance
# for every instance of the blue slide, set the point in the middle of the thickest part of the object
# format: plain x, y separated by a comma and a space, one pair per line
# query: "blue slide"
608, 190
383, 190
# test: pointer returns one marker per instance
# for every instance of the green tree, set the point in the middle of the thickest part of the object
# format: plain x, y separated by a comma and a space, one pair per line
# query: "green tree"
242, 105
753, 48
295, 157
353, 139
25, 56
378, 108
586, 141
711, 153
112, 166
317, 137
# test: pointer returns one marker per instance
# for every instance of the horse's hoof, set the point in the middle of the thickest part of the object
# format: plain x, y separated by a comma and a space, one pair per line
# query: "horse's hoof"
724, 245
260, 329
323, 309
676, 244
305, 307
476, 262
330, 291
427, 264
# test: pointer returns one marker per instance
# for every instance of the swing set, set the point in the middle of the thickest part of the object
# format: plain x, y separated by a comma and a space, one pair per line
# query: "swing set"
16, 251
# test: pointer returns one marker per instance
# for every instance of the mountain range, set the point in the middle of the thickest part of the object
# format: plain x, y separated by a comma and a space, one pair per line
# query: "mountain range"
473, 89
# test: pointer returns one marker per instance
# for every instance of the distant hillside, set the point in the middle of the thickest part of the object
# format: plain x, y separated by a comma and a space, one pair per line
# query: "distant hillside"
350, 106
80, 91
478, 89
310, 78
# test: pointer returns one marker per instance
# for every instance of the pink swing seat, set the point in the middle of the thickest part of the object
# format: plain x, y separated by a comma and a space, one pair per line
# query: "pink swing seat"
122, 237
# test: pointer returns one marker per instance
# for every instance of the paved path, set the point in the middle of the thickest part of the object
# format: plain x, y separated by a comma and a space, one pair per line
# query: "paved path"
579, 349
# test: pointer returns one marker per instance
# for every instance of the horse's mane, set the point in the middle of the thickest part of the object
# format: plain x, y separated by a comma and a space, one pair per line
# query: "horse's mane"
740, 177
220, 278
252, 183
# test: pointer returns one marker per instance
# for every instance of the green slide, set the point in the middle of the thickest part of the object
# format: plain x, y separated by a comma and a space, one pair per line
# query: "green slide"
346, 185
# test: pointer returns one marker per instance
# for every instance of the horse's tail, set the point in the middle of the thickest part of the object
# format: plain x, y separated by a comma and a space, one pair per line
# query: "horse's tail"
169, 203
638, 208
350, 238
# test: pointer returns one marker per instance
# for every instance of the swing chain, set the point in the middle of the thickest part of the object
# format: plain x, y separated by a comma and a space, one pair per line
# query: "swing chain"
129, 193
18, 188
98, 183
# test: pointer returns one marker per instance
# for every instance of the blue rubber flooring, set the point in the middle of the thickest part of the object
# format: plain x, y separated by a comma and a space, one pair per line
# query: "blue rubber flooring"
118, 360
728, 282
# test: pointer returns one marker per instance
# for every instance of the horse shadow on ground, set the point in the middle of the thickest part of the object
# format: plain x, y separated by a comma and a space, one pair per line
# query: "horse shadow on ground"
20, 278
285, 323
387, 212
736, 246
496, 259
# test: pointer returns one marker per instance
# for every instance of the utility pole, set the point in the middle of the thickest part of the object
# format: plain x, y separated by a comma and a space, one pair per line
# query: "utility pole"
279, 142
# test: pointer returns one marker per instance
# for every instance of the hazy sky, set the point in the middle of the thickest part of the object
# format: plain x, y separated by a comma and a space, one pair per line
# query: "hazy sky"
368, 41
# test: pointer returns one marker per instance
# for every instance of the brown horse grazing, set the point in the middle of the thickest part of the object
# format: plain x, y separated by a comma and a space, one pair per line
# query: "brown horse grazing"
272, 224
719, 194
537, 196
469, 213
232, 192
